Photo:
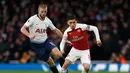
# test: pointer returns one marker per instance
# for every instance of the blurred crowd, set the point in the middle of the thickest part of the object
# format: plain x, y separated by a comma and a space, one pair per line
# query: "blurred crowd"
112, 17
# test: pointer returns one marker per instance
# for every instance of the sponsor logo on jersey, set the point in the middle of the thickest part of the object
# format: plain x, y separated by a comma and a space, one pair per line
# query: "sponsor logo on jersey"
76, 38
40, 31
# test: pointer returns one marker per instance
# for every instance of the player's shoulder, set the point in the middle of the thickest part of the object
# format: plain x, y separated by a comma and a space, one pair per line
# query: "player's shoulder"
47, 19
33, 17
68, 30
81, 24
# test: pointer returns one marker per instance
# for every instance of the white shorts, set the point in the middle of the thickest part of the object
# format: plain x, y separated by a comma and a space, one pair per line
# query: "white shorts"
83, 55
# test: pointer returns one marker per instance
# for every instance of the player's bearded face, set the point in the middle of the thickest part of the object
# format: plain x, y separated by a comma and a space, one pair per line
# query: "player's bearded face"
72, 23
42, 12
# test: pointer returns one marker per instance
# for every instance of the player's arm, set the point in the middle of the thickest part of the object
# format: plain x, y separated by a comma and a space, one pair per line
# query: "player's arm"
24, 28
58, 32
26, 33
54, 29
96, 32
63, 41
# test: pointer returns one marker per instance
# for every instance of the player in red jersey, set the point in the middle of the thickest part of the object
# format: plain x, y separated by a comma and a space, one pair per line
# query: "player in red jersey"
76, 33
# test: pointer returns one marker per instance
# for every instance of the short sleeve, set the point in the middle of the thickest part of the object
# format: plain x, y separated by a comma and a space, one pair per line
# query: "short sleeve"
50, 24
29, 22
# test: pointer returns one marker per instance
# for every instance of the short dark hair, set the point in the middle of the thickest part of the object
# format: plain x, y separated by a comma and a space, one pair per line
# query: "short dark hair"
70, 17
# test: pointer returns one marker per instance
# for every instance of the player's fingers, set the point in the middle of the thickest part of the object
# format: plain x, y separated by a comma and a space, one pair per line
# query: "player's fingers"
33, 36
62, 52
69, 44
99, 44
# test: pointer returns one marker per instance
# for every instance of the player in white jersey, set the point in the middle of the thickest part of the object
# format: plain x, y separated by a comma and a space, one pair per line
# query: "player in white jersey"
76, 33
40, 42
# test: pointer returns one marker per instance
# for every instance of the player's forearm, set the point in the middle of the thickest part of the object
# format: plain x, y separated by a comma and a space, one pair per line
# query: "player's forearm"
96, 32
68, 42
24, 31
62, 44
58, 32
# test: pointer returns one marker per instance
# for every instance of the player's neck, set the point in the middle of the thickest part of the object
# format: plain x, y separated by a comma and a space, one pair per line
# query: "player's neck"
41, 18
72, 28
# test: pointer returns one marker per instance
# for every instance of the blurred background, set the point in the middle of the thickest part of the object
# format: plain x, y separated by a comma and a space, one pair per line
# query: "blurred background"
112, 17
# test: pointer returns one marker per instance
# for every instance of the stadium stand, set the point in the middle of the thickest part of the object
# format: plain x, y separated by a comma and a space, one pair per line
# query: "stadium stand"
112, 17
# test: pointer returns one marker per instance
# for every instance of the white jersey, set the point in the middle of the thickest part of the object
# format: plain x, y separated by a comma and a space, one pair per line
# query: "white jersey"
39, 27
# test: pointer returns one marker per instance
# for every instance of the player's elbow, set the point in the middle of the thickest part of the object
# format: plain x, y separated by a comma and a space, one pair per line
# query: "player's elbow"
58, 32
94, 28
21, 29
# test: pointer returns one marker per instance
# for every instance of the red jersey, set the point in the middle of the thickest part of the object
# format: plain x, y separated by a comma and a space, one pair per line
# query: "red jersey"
79, 39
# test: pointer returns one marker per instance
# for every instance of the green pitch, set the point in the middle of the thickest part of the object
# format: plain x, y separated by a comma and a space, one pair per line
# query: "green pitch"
51, 72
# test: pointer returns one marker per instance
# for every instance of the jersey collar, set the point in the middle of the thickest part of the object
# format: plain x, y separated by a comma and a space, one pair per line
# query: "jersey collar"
39, 17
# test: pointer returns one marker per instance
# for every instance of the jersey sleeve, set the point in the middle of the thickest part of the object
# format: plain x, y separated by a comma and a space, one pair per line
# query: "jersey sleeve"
50, 24
29, 22
85, 27
92, 28
63, 41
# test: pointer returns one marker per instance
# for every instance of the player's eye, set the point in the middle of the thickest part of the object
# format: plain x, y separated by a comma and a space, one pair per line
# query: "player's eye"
73, 22
43, 11
70, 22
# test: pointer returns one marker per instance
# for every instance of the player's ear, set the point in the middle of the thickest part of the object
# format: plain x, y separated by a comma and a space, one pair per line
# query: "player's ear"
38, 10
67, 22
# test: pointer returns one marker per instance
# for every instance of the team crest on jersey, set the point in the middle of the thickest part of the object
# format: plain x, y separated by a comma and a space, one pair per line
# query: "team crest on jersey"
78, 30
28, 20
69, 33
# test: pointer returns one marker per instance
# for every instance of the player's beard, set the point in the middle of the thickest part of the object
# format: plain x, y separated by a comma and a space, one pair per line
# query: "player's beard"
42, 16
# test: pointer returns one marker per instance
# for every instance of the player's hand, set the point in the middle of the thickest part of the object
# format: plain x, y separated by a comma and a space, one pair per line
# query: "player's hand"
62, 52
32, 36
99, 43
